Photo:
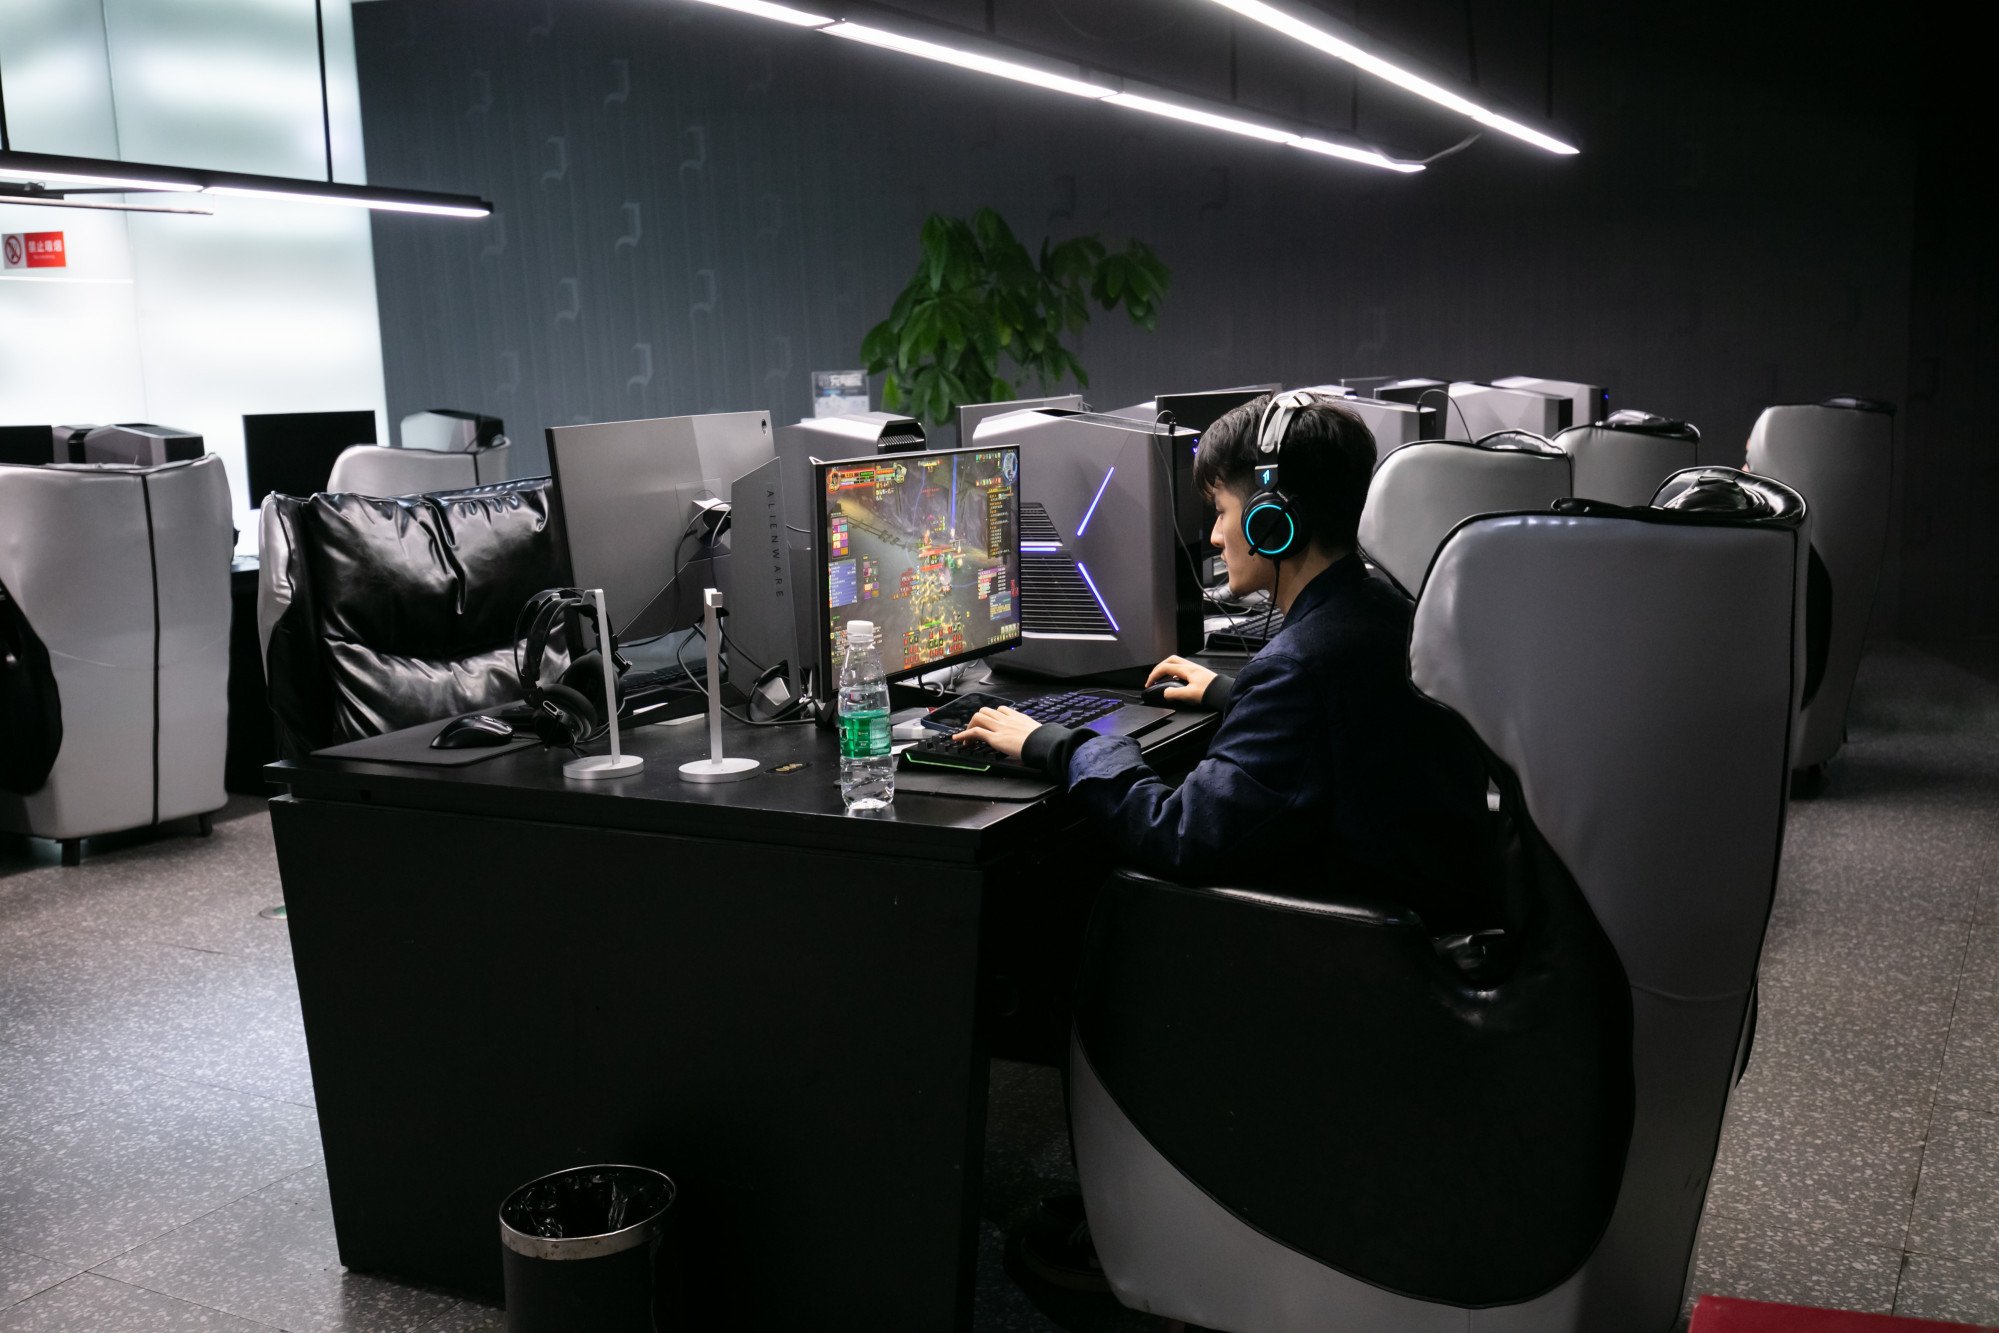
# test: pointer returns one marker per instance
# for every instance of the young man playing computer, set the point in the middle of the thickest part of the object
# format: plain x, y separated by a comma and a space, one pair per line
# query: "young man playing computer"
1328, 768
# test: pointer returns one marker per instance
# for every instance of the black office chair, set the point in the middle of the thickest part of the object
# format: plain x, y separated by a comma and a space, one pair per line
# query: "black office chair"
1294, 1113
379, 614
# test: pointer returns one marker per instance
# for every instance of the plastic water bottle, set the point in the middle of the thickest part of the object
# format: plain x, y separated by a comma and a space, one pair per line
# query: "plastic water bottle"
867, 768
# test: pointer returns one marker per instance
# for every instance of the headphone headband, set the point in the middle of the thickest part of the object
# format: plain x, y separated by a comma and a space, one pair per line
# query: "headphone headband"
1271, 521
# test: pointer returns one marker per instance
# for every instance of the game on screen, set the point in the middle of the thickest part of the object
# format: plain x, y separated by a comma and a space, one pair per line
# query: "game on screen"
924, 546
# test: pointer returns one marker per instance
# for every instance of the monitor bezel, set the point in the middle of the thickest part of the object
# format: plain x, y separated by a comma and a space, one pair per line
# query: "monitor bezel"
822, 553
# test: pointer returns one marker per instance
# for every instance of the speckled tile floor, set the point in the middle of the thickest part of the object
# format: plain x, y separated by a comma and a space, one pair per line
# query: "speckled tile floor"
159, 1156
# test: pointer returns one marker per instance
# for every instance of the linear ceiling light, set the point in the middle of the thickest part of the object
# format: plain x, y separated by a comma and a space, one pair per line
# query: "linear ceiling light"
1318, 38
56, 181
1070, 79
763, 10
1005, 69
59, 175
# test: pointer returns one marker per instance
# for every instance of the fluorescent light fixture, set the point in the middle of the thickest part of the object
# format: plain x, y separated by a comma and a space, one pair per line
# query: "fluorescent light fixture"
1319, 39
59, 175
388, 204
780, 13
79, 180
1174, 111
57, 201
950, 55
1365, 156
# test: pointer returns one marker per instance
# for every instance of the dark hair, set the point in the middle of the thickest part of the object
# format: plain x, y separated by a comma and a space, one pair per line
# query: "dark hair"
1328, 461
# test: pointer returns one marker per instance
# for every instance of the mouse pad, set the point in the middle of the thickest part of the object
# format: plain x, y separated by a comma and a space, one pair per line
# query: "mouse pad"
411, 745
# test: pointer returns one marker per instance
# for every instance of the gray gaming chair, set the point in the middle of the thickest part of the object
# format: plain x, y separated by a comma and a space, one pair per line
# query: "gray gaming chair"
1624, 458
117, 591
373, 469
1423, 490
1295, 1114
1840, 456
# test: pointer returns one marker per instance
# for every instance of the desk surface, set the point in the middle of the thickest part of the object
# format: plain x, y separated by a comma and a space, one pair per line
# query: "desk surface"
800, 808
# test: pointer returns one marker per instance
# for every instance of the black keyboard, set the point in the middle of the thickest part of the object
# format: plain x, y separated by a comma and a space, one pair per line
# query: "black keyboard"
672, 677
1073, 708
939, 751
1248, 634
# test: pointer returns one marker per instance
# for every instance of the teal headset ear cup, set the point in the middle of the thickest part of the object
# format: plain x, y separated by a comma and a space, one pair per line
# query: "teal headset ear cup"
1269, 525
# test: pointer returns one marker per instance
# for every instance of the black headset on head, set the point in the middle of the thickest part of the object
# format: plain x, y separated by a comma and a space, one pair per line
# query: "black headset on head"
1272, 522
571, 711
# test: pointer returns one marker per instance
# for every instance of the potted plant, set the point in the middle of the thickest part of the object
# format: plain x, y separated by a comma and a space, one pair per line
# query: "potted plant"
978, 296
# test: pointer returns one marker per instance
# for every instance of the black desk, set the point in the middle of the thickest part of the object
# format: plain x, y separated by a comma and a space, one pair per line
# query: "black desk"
504, 972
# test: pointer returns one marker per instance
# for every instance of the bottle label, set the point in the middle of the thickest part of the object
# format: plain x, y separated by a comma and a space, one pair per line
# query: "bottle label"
864, 735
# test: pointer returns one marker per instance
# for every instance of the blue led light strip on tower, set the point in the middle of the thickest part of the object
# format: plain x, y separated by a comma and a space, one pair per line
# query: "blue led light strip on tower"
1088, 513
1099, 596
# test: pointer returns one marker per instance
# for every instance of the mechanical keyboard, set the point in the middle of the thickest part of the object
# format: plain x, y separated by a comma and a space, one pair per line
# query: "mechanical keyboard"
1073, 708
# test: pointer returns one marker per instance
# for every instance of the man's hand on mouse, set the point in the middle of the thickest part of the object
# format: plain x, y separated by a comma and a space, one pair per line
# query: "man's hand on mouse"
1196, 676
1005, 729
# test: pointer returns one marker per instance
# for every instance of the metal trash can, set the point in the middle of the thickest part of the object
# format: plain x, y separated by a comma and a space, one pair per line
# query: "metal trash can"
588, 1248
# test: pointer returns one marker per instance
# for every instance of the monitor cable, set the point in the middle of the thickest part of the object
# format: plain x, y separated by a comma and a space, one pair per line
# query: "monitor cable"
701, 683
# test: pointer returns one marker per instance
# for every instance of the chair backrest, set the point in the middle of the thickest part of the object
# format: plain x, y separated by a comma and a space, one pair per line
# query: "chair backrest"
1840, 456
1636, 673
373, 469
378, 614
1421, 491
1627, 456
121, 575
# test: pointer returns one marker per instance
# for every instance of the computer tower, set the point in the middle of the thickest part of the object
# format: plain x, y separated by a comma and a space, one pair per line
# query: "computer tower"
1481, 409
1100, 589
972, 414
448, 430
1409, 390
139, 443
1395, 424
1588, 403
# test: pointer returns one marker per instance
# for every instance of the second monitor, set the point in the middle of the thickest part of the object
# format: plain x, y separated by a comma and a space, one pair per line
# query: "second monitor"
927, 547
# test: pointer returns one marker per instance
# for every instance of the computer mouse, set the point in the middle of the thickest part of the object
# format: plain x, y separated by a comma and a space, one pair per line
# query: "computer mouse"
469, 732
1155, 693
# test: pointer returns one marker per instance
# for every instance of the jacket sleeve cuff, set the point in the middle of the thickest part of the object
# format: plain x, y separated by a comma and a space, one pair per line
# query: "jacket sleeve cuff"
1049, 748
1216, 696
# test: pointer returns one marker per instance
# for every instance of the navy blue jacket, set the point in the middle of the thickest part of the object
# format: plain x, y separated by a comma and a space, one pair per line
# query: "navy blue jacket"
1329, 773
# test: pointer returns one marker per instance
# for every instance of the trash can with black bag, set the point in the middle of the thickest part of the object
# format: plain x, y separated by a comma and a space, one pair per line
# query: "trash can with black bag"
592, 1248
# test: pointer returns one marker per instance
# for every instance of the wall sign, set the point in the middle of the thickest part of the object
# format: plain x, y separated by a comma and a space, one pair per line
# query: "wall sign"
33, 249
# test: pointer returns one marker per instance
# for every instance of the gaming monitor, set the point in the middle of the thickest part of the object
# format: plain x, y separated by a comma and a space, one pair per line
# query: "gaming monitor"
631, 494
292, 453
927, 547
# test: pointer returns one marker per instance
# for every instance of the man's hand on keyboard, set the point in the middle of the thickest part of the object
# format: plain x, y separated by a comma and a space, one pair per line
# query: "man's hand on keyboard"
1005, 729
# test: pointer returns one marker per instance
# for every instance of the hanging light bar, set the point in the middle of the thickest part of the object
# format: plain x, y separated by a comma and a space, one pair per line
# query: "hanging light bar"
59, 176
1070, 79
983, 64
780, 13
1257, 11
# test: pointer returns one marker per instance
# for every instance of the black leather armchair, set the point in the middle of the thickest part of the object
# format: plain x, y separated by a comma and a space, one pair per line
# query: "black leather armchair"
1295, 1113
379, 614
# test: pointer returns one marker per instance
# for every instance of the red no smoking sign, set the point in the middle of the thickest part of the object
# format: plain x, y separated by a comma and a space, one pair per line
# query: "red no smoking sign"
33, 249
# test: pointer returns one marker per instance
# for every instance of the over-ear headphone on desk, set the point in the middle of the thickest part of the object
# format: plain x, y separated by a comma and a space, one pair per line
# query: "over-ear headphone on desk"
572, 709
1272, 522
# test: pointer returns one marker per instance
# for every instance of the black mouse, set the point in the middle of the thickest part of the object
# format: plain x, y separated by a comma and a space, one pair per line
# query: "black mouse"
469, 732
1155, 693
